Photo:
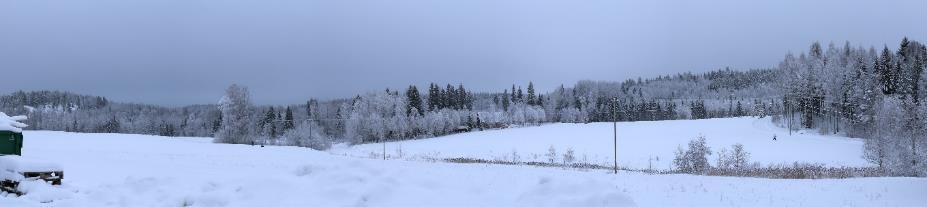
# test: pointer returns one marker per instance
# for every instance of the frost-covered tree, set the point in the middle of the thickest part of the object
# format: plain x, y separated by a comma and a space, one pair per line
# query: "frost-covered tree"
695, 158
236, 112
569, 156
551, 154
739, 157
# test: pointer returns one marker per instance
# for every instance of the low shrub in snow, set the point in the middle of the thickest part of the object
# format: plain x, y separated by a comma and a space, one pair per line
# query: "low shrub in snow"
551, 154
735, 159
568, 157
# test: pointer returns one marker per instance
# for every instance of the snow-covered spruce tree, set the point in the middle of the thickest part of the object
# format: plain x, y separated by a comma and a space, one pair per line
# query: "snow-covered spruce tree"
434, 97
860, 99
236, 112
811, 92
532, 97
450, 97
288, 122
268, 125
888, 73
414, 100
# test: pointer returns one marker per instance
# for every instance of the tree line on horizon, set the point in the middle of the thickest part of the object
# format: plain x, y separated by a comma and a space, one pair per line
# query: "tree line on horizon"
856, 91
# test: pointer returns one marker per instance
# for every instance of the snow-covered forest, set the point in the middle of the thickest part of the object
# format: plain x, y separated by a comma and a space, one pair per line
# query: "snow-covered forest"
867, 93
407, 114
852, 90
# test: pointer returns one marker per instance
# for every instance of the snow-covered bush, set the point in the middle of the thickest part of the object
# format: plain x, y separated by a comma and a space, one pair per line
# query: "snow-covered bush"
695, 158
306, 135
568, 157
551, 154
515, 158
735, 159
724, 160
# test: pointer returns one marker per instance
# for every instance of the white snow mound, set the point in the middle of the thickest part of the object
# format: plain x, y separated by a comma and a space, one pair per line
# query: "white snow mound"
12, 123
16, 163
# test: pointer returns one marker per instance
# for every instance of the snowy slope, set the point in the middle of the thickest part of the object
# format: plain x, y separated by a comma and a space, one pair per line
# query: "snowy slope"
640, 144
139, 170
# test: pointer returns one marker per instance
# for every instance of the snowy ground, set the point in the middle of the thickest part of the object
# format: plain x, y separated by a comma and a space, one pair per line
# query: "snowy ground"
641, 145
138, 170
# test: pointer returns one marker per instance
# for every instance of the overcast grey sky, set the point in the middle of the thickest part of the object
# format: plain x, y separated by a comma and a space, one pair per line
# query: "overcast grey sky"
178, 52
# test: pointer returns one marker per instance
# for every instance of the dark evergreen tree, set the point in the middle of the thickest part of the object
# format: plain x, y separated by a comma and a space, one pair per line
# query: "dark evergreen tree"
288, 119
267, 124
414, 100
463, 98
312, 109
434, 97
888, 76
532, 98
450, 97
740, 110
479, 123
505, 100
514, 97
111, 126
910, 64
540, 101
216, 125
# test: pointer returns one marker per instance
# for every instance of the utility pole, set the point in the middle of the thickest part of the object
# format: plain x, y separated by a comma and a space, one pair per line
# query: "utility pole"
384, 148
788, 111
615, 129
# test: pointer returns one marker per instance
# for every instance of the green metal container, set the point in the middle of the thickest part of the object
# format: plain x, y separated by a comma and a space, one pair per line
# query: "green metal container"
11, 143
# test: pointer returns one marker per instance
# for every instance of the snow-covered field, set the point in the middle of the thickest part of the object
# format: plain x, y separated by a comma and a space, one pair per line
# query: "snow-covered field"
138, 170
641, 145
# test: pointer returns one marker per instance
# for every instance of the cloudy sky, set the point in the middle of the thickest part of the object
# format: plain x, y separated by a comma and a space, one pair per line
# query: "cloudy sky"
177, 52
